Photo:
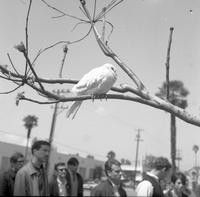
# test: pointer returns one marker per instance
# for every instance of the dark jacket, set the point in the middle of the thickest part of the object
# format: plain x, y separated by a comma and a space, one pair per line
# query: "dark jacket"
7, 180
157, 190
105, 188
53, 185
80, 183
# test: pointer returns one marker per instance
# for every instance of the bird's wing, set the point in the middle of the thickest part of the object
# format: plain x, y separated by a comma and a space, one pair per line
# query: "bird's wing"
90, 82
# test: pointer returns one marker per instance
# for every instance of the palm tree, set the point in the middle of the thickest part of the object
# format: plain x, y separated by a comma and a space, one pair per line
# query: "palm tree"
177, 94
195, 149
30, 121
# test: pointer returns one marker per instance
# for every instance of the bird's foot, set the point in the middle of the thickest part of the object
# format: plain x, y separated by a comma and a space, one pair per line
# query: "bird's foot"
102, 96
92, 97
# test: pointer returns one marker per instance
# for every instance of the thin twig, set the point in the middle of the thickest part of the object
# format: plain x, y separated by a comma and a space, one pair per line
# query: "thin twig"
61, 42
65, 49
94, 12
108, 9
49, 47
83, 12
104, 27
11, 90
77, 24
12, 63
32, 69
13, 80
71, 16
26, 32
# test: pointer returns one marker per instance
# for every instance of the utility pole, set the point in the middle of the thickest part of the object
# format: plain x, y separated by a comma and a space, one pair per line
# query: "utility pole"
138, 139
51, 134
53, 123
178, 158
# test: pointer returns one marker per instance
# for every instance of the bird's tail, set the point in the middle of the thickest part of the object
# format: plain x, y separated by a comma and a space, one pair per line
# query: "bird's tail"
74, 109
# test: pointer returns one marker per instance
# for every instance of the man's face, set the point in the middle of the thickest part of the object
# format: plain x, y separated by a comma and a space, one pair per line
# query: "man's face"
115, 174
43, 153
73, 168
61, 171
166, 175
19, 163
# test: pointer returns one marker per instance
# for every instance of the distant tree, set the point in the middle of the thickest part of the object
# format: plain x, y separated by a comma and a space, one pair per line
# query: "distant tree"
127, 162
195, 149
111, 155
177, 95
90, 156
30, 121
122, 161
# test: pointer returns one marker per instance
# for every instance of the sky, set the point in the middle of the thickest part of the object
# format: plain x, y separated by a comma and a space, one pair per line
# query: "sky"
140, 39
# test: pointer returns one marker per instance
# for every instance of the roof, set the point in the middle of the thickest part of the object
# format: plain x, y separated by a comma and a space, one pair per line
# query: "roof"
131, 168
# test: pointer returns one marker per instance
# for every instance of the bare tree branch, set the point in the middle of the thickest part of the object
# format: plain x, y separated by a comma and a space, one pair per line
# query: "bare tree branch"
12, 63
64, 14
26, 32
127, 92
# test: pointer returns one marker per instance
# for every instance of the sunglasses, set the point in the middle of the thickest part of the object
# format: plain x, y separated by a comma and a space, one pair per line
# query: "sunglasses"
20, 161
62, 169
117, 171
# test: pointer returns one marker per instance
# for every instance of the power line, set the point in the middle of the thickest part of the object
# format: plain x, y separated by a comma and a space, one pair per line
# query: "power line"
57, 143
78, 149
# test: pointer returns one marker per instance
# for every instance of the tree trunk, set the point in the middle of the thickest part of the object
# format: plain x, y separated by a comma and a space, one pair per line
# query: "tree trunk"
173, 142
27, 142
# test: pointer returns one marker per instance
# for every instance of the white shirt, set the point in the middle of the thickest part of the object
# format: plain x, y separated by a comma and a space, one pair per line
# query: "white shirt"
145, 188
62, 187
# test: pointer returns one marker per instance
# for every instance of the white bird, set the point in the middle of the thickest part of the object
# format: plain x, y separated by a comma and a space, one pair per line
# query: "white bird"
96, 82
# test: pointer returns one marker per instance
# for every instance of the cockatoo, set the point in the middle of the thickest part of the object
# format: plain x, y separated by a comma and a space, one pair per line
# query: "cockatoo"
98, 81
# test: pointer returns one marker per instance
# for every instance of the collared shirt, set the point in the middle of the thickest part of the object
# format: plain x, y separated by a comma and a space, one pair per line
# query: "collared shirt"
62, 187
145, 188
115, 189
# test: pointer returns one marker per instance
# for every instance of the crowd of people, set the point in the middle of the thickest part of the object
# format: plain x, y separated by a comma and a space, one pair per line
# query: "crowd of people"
31, 178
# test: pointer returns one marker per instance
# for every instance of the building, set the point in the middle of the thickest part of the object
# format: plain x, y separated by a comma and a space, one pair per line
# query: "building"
86, 165
132, 173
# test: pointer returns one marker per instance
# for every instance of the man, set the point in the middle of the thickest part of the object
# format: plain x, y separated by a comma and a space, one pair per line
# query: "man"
76, 181
112, 186
150, 185
59, 185
31, 179
8, 177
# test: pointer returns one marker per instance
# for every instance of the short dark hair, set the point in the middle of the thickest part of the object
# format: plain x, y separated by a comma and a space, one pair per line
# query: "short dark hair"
37, 145
14, 158
58, 164
73, 161
108, 165
178, 175
160, 162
